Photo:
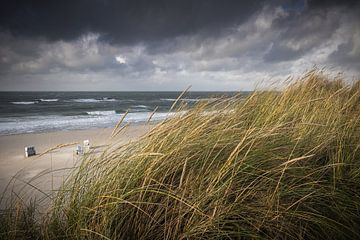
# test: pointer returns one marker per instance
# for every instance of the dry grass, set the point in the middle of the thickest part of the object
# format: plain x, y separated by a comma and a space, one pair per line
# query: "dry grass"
273, 165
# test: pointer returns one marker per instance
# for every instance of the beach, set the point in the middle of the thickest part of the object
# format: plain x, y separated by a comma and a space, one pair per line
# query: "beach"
49, 170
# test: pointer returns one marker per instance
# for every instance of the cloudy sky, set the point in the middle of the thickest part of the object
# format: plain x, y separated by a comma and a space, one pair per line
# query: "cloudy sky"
122, 45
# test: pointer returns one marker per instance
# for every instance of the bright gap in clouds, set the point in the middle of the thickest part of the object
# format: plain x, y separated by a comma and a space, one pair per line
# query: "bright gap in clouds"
120, 59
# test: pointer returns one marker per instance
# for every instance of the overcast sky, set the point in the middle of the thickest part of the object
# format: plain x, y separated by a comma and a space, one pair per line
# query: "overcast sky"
168, 45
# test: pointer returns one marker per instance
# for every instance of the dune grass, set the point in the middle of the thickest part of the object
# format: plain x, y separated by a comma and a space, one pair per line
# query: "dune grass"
271, 165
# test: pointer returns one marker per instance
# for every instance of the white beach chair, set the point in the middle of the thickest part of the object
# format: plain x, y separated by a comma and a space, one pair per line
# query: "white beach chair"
79, 150
86, 145
30, 151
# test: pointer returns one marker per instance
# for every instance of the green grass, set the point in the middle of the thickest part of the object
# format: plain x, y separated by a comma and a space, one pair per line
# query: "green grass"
272, 165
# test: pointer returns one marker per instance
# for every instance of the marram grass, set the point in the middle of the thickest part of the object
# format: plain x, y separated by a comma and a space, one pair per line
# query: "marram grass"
271, 165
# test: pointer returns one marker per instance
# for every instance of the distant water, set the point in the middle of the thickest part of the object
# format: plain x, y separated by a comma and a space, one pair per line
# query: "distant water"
28, 112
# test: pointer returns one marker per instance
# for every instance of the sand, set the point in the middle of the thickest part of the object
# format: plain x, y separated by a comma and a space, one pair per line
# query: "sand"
38, 176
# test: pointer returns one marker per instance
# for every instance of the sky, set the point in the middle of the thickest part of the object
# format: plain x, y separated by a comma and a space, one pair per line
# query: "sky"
212, 45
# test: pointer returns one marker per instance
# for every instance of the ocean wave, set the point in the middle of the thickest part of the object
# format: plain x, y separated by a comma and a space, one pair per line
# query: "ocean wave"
168, 99
138, 117
96, 119
141, 106
188, 99
48, 100
93, 100
108, 99
24, 102
101, 113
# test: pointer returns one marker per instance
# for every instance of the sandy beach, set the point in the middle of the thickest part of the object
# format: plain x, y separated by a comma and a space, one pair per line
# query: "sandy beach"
48, 171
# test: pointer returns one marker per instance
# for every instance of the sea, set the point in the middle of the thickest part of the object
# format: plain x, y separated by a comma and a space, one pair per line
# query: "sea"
35, 112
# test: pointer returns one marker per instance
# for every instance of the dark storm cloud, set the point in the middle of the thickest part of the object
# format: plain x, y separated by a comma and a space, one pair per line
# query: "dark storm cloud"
303, 31
168, 45
122, 21
332, 3
348, 54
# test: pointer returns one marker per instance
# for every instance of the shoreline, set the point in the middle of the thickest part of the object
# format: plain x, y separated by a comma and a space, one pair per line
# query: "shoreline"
133, 124
48, 171
53, 131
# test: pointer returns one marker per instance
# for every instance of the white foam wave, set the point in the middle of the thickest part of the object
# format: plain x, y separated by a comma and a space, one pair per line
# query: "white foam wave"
141, 106
188, 99
49, 100
86, 100
93, 100
101, 113
96, 119
168, 99
108, 99
24, 103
